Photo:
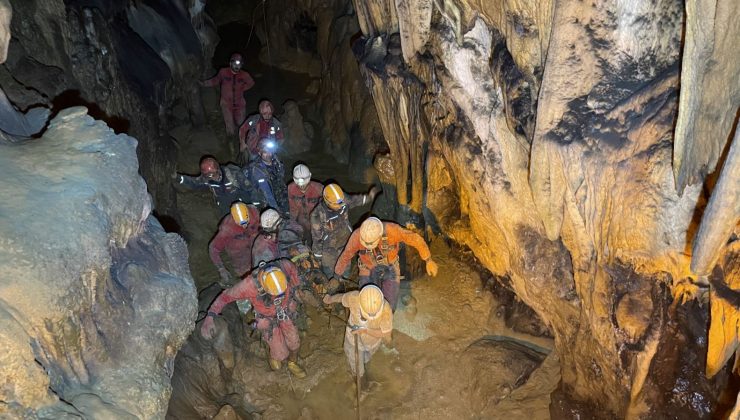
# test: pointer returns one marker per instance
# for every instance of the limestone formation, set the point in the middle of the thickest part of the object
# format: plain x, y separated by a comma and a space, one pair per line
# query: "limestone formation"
549, 131
96, 297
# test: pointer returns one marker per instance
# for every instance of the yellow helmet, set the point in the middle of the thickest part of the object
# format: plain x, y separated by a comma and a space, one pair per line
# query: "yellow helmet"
371, 230
273, 281
334, 196
240, 213
371, 301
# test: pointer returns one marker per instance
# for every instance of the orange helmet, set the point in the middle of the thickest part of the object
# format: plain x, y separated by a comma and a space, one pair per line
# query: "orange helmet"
273, 281
334, 196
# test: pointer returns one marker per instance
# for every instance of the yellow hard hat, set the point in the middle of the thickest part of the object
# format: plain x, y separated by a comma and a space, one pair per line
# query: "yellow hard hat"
371, 231
371, 301
334, 196
273, 281
240, 213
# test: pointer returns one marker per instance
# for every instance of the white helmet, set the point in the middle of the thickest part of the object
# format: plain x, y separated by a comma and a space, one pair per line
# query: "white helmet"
371, 230
269, 220
371, 301
301, 175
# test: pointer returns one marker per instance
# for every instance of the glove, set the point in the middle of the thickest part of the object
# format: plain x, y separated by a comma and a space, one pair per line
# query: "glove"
224, 274
431, 268
208, 328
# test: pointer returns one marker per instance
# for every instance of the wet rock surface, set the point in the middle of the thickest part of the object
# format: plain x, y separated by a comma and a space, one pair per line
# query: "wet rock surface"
96, 297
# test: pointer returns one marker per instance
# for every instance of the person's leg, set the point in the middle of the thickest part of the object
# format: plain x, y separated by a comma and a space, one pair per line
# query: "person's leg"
389, 284
228, 119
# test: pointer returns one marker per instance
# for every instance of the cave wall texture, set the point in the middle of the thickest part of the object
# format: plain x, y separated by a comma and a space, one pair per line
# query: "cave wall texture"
128, 62
541, 135
95, 298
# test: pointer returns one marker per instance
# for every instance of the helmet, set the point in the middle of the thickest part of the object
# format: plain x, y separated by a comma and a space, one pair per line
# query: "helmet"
210, 168
371, 230
240, 213
334, 196
273, 281
267, 145
269, 220
371, 301
301, 175
236, 60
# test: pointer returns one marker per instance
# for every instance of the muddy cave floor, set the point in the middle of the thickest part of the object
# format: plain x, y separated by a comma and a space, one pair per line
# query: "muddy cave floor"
452, 356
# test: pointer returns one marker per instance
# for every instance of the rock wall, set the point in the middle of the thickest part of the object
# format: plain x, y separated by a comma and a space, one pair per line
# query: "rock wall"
128, 62
542, 136
95, 298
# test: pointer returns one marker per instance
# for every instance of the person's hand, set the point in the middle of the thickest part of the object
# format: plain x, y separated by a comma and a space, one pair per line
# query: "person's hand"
356, 331
326, 299
432, 267
208, 328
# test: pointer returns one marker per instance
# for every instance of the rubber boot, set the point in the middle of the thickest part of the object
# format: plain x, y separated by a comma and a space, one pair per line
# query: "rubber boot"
295, 368
276, 364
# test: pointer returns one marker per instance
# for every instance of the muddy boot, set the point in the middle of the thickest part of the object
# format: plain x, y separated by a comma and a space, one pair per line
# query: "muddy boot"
294, 367
275, 364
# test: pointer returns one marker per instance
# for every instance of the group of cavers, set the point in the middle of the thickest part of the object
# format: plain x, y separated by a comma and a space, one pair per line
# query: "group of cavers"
294, 244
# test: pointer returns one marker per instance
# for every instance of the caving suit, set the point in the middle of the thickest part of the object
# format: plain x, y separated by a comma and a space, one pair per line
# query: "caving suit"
270, 181
233, 85
302, 203
330, 230
255, 128
367, 344
233, 186
274, 315
380, 265
236, 241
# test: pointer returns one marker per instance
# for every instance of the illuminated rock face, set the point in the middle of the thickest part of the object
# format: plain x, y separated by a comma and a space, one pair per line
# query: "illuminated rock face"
542, 137
95, 298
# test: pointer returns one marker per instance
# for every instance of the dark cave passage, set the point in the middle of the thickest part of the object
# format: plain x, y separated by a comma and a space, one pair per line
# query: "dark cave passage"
555, 187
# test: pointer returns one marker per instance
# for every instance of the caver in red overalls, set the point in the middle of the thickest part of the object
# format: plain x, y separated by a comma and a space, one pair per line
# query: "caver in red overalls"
379, 266
274, 310
237, 241
234, 82
302, 202
258, 127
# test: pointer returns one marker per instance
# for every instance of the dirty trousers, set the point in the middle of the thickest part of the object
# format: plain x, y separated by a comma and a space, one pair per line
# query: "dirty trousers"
365, 352
282, 341
387, 277
233, 117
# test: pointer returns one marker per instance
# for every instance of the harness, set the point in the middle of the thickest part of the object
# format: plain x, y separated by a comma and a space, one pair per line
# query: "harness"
380, 253
279, 302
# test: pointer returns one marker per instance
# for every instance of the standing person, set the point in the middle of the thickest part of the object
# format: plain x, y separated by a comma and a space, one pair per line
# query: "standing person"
227, 183
233, 82
270, 289
235, 235
267, 174
260, 126
370, 318
377, 244
330, 227
303, 196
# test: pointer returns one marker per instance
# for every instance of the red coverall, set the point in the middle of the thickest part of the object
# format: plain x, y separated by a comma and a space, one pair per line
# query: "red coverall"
273, 315
302, 203
236, 241
251, 134
380, 266
233, 85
